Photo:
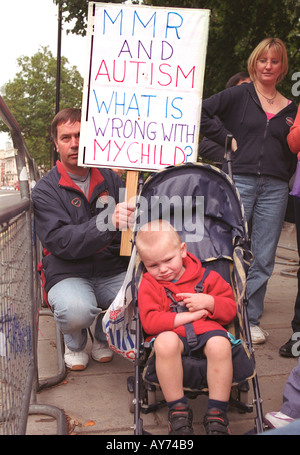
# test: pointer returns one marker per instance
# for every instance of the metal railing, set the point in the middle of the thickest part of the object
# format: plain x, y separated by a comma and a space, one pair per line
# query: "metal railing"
20, 300
16, 322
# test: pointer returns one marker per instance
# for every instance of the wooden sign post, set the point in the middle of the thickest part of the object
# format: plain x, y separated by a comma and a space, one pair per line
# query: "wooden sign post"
131, 189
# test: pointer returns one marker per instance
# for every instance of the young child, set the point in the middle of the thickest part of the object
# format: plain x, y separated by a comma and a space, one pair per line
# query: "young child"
169, 266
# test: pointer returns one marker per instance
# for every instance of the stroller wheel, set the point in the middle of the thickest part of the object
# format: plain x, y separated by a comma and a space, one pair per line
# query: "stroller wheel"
243, 397
243, 391
239, 397
151, 397
130, 389
131, 402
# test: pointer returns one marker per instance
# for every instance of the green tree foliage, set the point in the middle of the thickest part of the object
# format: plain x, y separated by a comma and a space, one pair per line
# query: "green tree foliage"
236, 27
75, 11
31, 97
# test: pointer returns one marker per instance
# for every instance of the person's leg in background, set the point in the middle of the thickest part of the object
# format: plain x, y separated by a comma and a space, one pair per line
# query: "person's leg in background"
264, 199
286, 349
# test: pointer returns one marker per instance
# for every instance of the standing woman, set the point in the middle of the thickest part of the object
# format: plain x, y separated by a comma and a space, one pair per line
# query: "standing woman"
259, 119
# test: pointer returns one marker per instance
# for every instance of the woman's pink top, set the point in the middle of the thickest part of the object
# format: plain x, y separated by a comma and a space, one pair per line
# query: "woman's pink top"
269, 115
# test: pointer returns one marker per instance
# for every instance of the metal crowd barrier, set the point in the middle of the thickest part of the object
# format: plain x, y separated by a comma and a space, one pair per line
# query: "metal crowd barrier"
20, 301
16, 319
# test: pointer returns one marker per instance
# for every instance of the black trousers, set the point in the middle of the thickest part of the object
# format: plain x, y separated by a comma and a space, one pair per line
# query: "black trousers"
296, 318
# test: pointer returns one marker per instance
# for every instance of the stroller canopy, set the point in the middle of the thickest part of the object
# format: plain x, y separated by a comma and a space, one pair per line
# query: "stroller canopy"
202, 204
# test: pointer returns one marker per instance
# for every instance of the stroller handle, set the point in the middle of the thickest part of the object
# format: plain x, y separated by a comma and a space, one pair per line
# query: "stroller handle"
228, 154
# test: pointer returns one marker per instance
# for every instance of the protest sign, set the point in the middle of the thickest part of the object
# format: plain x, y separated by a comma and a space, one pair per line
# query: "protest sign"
143, 88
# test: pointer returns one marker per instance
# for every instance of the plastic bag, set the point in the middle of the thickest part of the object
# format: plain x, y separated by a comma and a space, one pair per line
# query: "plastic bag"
119, 321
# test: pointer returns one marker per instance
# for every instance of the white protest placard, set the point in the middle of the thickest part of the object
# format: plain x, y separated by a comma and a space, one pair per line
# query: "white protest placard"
143, 90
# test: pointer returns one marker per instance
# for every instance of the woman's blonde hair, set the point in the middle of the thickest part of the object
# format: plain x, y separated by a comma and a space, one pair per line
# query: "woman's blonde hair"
274, 44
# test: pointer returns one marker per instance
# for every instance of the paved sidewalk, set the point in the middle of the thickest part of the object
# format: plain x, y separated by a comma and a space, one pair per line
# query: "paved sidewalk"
96, 400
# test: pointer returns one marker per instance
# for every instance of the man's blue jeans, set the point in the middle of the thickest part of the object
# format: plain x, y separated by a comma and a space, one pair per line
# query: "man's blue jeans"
265, 201
76, 302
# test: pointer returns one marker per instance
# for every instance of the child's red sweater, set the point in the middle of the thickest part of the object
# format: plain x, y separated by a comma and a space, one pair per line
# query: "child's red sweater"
154, 305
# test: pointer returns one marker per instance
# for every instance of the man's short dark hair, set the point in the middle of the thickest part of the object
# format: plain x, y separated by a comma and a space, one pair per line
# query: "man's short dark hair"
70, 114
236, 78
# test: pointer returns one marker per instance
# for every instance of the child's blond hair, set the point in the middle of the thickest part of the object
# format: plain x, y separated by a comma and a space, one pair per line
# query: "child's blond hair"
152, 231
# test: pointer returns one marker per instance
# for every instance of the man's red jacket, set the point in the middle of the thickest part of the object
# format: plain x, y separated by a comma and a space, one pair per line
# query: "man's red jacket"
154, 305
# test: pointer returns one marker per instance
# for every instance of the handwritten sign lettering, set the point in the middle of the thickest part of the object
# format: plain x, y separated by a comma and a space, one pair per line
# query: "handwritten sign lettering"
143, 91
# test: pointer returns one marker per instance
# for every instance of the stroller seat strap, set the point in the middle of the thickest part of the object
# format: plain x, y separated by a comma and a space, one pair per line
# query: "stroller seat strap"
180, 308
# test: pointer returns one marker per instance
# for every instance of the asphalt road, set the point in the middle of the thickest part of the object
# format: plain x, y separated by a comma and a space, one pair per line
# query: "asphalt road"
9, 199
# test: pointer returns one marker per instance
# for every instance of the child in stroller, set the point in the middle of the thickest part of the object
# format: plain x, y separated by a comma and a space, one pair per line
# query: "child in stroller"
196, 327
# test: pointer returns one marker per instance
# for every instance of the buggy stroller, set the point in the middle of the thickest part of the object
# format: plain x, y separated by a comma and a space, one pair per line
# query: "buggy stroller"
203, 205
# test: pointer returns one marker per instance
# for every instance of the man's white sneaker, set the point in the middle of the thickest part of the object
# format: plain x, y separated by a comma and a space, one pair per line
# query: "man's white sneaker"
101, 352
277, 419
258, 335
76, 361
